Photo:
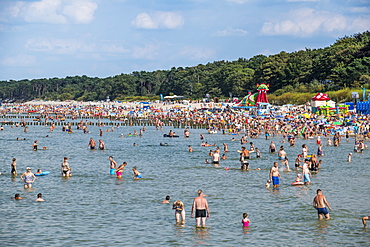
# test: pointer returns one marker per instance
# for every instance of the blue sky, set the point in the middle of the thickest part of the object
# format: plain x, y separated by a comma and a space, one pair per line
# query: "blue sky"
101, 38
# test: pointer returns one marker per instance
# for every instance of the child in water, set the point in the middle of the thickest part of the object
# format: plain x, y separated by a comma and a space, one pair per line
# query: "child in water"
120, 169
137, 174
258, 153
245, 220
349, 159
268, 184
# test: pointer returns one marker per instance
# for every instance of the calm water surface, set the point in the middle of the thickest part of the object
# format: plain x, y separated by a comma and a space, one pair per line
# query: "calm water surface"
93, 208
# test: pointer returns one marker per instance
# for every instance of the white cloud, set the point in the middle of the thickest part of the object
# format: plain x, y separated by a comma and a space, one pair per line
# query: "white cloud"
81, 11
22, 60
231, 32
143, 20
307, 21
158, 20
197, 53
54, 11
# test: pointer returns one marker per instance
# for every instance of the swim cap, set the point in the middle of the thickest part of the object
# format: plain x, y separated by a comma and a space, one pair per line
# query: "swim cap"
28, 168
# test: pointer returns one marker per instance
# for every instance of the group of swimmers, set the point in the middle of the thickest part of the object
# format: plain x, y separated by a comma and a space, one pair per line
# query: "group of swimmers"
253, 128
118, 170
199, 209
311, 164
38, 199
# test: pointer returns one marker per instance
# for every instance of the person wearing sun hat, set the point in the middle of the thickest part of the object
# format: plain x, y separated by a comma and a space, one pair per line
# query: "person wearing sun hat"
28, 178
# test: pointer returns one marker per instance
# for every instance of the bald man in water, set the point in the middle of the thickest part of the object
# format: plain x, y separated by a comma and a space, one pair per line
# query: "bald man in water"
200, 205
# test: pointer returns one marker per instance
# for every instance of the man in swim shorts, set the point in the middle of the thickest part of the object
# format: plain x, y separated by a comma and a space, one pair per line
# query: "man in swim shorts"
92, 144
112, 166
282, 153
216, 157
200, 206
275, 175
272, 147
320, 203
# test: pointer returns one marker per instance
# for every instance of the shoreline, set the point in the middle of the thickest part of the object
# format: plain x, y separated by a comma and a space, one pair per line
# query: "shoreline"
163, 105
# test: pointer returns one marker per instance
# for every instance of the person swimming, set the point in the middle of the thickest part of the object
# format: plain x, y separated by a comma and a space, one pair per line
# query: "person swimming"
17, 197
39, 198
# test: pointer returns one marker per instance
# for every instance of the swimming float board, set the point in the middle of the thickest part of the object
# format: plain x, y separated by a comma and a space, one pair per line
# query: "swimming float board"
42, 173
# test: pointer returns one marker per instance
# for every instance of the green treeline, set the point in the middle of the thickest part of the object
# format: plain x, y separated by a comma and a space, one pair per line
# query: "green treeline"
344, 64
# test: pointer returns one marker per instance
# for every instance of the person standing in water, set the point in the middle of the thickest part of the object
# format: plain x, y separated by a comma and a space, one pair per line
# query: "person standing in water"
244, 157
120, 170
28, 178
245, 220
179, 210
101, 145
14, 166
320, 203
34, 146
66, 170
275, 175
112, 165
92, 144
306, 174
216, 157
272, 147
282, 153
201, 209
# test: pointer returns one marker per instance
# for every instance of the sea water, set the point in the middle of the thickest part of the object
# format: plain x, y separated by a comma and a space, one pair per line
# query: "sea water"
93, 208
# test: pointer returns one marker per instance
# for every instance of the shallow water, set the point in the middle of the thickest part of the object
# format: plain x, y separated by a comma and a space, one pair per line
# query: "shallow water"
93, 208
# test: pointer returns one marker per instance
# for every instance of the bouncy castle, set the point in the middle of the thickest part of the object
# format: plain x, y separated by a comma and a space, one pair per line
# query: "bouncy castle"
256, 98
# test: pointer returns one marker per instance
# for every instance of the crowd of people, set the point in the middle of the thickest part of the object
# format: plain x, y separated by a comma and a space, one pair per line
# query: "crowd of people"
240, 125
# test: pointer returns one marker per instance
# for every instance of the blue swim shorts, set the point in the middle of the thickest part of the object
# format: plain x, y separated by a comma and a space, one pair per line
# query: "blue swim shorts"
275, 180
112, 171
322, 211
306, 178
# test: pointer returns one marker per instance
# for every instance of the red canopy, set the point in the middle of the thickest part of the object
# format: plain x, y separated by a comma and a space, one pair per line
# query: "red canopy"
321, 97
